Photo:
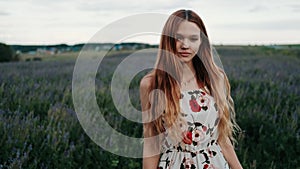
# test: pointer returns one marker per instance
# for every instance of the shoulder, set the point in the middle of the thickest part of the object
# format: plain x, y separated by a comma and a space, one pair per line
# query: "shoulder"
145, 88
146, 82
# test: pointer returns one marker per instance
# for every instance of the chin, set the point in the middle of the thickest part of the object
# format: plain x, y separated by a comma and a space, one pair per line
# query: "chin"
186, 60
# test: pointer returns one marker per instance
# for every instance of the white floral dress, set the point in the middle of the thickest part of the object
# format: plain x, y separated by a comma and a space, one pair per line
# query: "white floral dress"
201, 114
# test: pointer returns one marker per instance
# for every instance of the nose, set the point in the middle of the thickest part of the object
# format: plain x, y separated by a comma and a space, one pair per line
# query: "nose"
185, 43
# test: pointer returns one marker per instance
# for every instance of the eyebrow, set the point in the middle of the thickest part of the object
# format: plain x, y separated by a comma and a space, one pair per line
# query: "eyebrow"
194, 35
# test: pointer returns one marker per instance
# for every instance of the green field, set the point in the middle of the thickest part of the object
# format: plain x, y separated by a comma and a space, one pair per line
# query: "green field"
39, 127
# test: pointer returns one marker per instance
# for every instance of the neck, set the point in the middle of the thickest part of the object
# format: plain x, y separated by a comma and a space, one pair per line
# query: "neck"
188, 71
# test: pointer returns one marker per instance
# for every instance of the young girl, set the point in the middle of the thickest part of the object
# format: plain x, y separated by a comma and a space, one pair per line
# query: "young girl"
186, 103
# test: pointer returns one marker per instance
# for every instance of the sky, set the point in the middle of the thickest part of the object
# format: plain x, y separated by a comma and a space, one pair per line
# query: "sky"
34, 22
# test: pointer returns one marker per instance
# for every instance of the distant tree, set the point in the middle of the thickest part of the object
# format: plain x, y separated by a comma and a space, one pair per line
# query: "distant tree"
7, 53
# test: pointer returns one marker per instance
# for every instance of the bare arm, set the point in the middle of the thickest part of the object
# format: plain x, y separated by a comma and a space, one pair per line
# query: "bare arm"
229, 154
150, 146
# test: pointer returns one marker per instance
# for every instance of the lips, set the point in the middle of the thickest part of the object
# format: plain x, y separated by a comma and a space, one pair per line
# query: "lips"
184, 54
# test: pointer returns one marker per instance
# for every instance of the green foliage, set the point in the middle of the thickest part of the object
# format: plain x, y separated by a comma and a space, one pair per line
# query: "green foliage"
39, 127
7, 53
270, 123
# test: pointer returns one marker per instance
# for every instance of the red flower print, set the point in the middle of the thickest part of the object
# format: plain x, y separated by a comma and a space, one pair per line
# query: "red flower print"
198, 136
189, 135
195, 107
204, 102
204, 128
188, 163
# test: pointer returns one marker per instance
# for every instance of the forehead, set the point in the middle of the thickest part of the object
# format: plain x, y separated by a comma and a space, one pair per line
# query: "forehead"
188, 28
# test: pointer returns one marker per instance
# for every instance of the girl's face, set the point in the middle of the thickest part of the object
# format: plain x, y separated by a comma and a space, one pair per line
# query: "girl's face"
187, 41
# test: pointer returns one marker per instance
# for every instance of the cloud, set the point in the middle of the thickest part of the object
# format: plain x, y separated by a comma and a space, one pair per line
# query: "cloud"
2, 13
289, 24
295, 7
258, 8
83, 18
129, 5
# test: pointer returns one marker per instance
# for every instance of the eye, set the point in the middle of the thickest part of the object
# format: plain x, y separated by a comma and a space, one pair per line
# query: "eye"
178, 37
193, 39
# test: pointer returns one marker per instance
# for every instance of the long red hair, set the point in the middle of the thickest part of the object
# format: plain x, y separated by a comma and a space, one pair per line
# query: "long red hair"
167, 77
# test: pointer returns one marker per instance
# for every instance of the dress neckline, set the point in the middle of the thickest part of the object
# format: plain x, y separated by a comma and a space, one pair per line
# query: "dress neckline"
191, 90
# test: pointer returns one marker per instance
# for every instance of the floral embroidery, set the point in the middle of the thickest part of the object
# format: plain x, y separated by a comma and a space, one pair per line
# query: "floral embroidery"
209, 166
189, 135
202, 151
201, 97
195, 107
199, 136
187, 163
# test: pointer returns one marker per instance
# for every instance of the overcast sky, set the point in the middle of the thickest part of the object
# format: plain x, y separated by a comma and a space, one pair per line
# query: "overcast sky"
76, 21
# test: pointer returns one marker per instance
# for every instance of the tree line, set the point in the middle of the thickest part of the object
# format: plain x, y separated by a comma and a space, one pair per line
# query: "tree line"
7, 53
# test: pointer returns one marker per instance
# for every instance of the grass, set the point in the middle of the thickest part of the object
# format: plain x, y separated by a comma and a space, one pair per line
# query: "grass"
39, 127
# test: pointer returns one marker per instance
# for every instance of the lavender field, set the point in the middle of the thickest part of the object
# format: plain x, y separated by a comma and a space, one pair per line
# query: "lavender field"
39, 127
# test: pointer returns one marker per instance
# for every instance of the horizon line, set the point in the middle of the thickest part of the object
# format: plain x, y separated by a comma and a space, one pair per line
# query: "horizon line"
214, 44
